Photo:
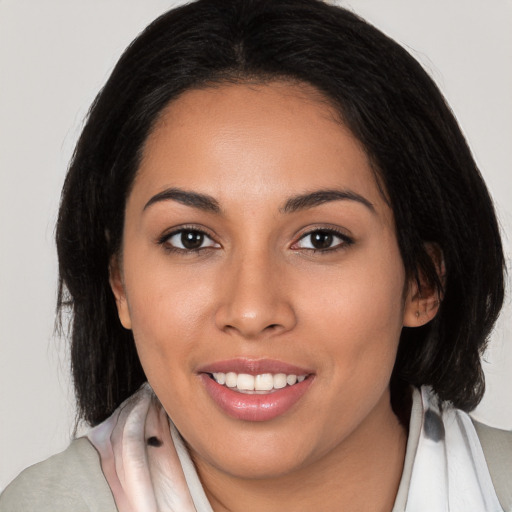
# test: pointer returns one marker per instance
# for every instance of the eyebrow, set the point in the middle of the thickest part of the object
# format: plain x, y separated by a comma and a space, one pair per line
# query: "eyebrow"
311, 199
296, 203
196, 200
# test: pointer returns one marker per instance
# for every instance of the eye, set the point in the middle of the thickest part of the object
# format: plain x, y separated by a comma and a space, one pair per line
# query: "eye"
323, 240
189, 240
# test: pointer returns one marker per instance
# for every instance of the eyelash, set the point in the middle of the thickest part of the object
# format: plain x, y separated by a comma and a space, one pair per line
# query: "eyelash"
346, 241
164, 240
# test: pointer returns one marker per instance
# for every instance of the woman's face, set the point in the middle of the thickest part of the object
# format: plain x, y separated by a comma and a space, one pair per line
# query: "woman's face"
257, 247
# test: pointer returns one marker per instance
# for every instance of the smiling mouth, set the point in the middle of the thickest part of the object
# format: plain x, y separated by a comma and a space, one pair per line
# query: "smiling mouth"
261, 384
255, 389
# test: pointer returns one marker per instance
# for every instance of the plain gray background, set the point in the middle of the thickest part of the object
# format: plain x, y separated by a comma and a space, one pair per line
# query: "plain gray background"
54, 57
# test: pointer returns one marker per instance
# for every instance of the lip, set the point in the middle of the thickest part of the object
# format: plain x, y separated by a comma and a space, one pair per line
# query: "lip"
253, 367
254, 407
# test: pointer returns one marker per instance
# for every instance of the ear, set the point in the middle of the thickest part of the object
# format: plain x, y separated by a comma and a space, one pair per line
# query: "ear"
423, 300
117, 284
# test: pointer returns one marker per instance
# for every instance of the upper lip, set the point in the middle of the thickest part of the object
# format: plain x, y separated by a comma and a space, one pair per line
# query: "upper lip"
253, 367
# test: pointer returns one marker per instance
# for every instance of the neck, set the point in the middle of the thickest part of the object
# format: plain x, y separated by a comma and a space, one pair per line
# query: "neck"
362, 473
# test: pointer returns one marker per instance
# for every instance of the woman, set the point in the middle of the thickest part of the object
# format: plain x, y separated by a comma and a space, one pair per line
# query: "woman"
273, 219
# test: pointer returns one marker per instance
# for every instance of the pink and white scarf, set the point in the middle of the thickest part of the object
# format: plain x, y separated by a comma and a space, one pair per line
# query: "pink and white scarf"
148, 468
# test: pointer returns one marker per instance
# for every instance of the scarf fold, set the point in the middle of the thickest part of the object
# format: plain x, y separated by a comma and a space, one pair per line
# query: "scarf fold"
138, 447
450, 473
139, 458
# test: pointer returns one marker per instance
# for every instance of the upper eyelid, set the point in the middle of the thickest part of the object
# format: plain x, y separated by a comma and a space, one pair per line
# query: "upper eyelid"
165, 243
330, 229
346, 239
178, 229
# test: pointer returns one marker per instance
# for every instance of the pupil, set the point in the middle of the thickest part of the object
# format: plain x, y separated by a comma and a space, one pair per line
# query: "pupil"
192, 239
321, 240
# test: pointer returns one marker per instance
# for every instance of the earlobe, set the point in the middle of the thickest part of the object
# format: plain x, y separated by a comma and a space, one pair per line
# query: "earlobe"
424, 299
420, 309
117, 285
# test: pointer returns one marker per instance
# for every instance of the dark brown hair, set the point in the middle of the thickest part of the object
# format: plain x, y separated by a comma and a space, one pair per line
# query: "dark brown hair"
382, 94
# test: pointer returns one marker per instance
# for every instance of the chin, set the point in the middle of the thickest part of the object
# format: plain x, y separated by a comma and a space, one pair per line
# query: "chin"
267, 455
269, 467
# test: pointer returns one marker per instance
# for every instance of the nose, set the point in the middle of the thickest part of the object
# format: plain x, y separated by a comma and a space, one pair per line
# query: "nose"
255, 301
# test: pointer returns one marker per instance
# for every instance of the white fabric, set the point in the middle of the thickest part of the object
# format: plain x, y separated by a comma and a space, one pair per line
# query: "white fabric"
143, 478
149, 469
450, 473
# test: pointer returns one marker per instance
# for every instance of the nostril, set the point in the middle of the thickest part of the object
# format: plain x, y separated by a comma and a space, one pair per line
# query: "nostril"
251, 320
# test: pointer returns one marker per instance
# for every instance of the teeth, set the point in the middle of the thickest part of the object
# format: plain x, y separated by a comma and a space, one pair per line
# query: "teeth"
291, 379
279, 381
264, 382
244, 382
220, 378
231, 379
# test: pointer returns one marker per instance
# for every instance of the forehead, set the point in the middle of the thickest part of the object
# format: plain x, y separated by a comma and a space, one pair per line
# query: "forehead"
252, 142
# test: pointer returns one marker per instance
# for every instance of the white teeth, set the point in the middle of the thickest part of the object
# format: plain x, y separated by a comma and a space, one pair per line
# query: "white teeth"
256, 383
231, 379
279, 380
291, 379
245, 382
220, 378
264, 382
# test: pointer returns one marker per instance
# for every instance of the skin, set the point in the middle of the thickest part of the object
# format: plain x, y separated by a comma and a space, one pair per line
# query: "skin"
256, 289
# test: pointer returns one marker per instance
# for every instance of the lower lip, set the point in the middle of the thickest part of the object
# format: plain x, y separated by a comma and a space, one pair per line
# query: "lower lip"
255, 407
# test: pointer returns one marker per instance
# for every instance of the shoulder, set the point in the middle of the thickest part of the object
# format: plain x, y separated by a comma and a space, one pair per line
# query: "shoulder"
497, 448
71, 480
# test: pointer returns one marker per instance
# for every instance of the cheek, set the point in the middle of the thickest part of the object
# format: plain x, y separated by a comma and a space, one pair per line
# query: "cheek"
357, 312
168, 308
355, 321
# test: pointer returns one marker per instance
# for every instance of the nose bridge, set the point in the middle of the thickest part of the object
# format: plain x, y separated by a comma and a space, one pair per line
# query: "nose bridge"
254, 302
